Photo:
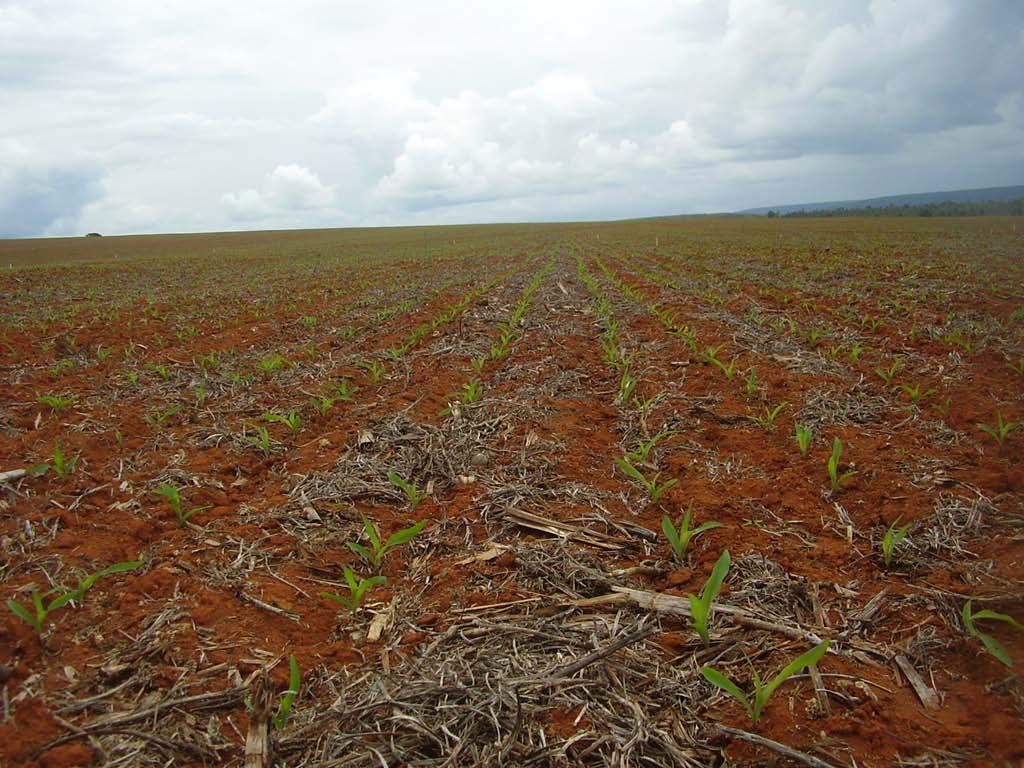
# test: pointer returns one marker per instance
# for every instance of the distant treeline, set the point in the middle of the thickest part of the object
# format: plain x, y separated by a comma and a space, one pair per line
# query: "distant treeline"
980, 208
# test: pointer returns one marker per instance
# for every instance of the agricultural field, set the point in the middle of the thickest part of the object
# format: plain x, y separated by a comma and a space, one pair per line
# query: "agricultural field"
658, 493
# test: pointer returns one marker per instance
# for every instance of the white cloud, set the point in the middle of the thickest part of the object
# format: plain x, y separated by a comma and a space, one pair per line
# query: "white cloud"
286, 190
528, 110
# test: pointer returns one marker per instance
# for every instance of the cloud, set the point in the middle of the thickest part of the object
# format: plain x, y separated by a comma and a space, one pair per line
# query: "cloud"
285, 191
528, 110
40, 197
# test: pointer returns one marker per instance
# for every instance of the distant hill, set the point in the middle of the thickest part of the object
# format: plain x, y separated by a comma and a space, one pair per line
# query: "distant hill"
921, 198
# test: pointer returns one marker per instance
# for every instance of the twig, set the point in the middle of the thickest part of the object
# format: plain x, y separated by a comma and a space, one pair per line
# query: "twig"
608, 650
257, 739
924, 693
782, 749
267, 606
12, 474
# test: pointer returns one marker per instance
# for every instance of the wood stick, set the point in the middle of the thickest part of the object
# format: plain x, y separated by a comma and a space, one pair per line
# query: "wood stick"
928, 697
775, 746
257, 740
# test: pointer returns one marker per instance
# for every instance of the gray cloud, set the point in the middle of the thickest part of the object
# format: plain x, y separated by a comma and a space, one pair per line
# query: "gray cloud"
341, 114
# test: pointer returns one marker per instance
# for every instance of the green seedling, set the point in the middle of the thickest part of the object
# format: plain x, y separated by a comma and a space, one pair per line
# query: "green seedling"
322, 404
763, 691
1000, 431
710, 354
729, 369
357, 589
887, 374
701, 607
412, 492
57, 402
374, 554
915, 393
293, 420
374, 369
471, 392
161, 370
751, 382
345, 389
642, 451
627, 386
173, 496
838, 479
767, 418
157, 420
261, 439
309, 321
271, 364
36, 616
479, 363
803, 438
102, 353
133, 377
679, 536
892, 537
62, 466
284, 709
654, 489
855, 352
992, 645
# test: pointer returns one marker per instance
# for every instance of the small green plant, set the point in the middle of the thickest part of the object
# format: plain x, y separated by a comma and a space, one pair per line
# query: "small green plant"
309, 321
271, 364
654, 489
768, 415
701, 607
892, 537
412, 492
992, 645
36, 616
57, 403
260, 439
374, 369
345, 389
887, 374
322, 404
855, 352
159, 418
479, 363
1000, 431
471, 392
374, 554
357, 589
161, 370
62, 466
293, 420
627, 386
642, 451
284, 709
729, 369
133, 377
838, 479
915, 393
803, 438
763, 690
710, 353
173, 496
751, 382
102, 353
679, 536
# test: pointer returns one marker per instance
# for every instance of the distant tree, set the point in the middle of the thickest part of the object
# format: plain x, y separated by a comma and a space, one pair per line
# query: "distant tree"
772, 214
94, 234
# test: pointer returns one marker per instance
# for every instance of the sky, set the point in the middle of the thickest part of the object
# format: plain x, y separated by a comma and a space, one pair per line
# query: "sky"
196, 115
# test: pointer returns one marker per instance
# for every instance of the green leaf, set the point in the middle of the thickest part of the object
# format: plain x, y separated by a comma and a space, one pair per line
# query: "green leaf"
405, 534
996, 648
985, 613
719, 680
631, 471
26, 615
812, 656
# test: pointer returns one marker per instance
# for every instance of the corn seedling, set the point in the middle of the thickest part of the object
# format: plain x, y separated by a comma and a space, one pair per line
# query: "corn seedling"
627, 386
412, 492
309, 321
271, 364
161, 370
284, 709
679, 537
803, 438
763, 690
471, 392
768, 415
478, 364
701, 607
62, 466
157, 420
261, 439
133, 377
322, 404
345, 389
751, 382
887, 374
293, 420
654, 489
374, 554
892, 537
855, 352
102, 353
643, 449
1000, 431
57, 402
173, 496
838, 479
710, 354
357, 589
36, 616
992, 645
915, 393
374, 369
